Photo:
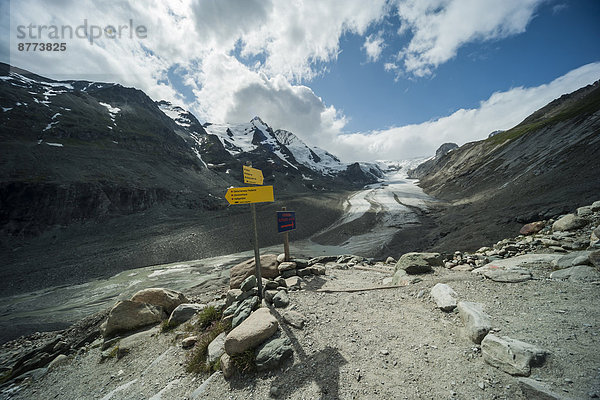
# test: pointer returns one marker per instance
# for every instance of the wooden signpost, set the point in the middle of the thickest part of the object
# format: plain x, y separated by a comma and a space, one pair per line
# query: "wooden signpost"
252, 195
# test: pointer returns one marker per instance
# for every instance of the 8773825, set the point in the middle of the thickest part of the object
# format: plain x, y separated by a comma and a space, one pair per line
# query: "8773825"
35, 46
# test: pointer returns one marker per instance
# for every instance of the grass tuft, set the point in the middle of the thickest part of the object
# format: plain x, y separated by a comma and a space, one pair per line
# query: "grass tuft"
197, 359
245, 362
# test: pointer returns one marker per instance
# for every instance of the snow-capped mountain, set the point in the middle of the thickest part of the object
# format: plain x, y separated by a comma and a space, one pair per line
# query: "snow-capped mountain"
284, 145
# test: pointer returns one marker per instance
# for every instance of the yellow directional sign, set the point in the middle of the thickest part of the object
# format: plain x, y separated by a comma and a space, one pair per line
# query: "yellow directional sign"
253, 176
247, 195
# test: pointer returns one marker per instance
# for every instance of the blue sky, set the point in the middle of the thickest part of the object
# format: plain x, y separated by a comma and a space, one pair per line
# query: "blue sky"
555, 43
384, 79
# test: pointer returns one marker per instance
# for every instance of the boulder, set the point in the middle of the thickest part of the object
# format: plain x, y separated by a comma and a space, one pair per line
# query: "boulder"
477, 322
257, 328
281, 299
418, 263
216, 348
595, 206
512, 275
317, 269
572, 259
531, 228
301, 263
286, 266
160, 297
289, 273
294, 318
444, 296
184, 312
581, 273
239, 272
270, 354
535, 390
568, 222
232, 296
59, 360
248, 284
269, 294
128, 315
510, 355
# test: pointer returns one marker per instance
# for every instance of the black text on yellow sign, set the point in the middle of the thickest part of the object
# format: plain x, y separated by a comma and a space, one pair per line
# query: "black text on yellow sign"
247, 195
253, 176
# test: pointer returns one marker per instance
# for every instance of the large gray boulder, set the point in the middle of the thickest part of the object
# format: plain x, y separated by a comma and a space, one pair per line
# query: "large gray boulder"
129, 315
581, 273
418, 263
569, 222
477, 322
510, 355
444, 296
257, 328
536, 390
160, 297
239, 272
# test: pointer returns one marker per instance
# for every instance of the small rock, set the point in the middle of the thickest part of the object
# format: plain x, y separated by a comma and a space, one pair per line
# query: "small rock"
281, 258
289, 273
274, 391
595, 206
584, 211
60, 359
189, 342
387, 281
244, 309
286, 266
216, 348
248, 284
232, 296
184, 312
390, 260
418, 263
270, 354
294, 283
532, 228
444, 296
227, 366
384, 352
568, 222
281, 299
294, 318
477, 322
269, 294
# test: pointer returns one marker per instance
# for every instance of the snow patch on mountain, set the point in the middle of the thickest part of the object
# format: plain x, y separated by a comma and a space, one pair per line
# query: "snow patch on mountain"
176, 113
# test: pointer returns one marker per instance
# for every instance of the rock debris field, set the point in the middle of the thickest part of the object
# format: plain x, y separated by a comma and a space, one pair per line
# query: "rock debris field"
515, 320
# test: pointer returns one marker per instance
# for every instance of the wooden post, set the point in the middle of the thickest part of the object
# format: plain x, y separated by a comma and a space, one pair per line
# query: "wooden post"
286, 243
256, 249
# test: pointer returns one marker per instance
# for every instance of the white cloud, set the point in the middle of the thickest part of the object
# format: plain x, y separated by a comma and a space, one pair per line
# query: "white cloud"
502, 110
440, 27
374, 46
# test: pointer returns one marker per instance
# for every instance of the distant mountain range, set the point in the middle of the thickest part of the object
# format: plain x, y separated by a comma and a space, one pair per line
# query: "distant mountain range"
79, 150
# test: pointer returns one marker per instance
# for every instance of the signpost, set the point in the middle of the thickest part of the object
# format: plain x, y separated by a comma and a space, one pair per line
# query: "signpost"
286, 221
253, 176
252, 195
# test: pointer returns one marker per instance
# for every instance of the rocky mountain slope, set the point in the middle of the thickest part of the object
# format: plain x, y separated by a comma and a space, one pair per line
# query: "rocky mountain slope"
100, 175
542, 167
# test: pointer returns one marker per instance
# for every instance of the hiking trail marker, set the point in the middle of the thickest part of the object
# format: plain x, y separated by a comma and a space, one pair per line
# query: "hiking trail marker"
253, 176
252, 195
286, 221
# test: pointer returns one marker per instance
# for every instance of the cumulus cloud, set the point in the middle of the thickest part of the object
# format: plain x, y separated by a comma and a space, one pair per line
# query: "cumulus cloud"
502, 110
440, 27
374, 46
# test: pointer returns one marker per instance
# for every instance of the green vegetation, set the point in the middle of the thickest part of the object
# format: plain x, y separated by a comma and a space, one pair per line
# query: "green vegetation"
167, 326
578, 109
245, 362
197, 360
208, 316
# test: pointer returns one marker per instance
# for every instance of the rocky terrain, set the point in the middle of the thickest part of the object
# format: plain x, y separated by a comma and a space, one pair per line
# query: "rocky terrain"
515, 320
540, 169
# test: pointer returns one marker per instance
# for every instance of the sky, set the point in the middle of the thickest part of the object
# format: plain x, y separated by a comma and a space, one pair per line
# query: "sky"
365, 80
